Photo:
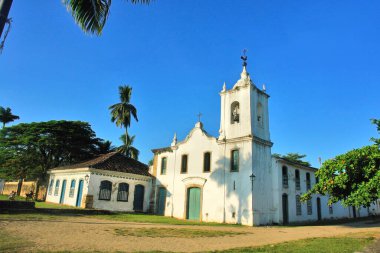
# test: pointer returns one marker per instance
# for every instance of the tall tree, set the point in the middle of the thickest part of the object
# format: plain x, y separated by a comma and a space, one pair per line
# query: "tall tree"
121, 113
91, 15
104, 147
127, 149
294, 157
352, 178
6, 115
30, 150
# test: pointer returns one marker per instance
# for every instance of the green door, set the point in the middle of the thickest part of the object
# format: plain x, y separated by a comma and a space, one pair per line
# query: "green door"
193, 203
161, 201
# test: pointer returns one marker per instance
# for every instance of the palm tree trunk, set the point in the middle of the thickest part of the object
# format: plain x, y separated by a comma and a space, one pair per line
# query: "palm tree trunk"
5, 6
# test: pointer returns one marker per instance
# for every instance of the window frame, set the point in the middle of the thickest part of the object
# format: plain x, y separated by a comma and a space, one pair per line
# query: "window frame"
101, 196
297, 180
232, 160
72, 189
233, 106
163, 168
186, 164
119, 198
309, 207
51, 186
209, 162
298, 205
285, 177
56, 188
308, 181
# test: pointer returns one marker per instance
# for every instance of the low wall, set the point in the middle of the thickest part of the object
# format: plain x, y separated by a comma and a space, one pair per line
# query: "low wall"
26, 187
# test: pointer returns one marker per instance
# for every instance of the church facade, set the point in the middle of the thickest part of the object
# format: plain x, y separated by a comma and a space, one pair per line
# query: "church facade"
233, 178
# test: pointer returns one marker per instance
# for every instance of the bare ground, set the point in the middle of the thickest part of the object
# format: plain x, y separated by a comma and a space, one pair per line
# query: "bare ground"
89, 234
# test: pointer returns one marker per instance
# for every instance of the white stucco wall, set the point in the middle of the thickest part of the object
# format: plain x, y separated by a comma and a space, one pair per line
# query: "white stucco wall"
92, 188
116, 178
68, 175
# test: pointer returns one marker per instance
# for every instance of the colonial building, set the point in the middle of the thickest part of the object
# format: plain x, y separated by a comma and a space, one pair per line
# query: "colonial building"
233, 178
110, 182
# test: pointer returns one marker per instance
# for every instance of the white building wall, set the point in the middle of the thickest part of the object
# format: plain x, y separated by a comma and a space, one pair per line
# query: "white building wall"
116, 178
67, 175
91, 187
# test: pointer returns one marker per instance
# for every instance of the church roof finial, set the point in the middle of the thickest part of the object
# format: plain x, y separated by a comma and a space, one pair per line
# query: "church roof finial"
244, 57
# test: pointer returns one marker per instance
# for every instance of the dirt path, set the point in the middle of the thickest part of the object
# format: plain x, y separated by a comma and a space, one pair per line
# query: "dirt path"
88, 234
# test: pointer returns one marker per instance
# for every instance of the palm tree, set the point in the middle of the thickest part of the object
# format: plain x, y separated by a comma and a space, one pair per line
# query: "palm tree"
127, 149
121, 112
6, 115
91, 15
104, 147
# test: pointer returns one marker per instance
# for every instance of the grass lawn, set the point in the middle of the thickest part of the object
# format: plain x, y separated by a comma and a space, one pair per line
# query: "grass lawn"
312, 245
149, 218
350, 244
173, 232
40, 204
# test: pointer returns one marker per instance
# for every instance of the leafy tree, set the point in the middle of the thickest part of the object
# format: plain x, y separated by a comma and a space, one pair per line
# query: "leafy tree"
352, 178
91, 15
30, 150
127, 149
104, 147
376, 122
294, 157
122, 112
6, 115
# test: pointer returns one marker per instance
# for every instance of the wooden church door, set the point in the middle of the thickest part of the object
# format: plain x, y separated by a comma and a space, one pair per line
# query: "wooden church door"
193, 203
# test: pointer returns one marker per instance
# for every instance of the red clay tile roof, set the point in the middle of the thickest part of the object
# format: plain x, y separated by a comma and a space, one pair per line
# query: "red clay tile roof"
113, 161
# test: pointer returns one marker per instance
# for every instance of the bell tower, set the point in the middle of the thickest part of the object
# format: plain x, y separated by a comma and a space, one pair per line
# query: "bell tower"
244, 109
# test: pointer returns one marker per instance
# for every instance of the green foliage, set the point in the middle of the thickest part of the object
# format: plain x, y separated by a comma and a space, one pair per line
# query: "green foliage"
353, 177
376, 122
293, 157
91, 15
29, 150
121, 114
6, 115
127, 149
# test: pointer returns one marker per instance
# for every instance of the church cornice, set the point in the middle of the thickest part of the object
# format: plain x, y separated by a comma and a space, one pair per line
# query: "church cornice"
246, 138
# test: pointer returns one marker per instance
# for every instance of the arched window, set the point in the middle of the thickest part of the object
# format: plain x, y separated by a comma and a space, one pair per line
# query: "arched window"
308, 183
105, 190
123, 192
163, 166
72, 188
298, 181
298, 205
207, 162
56, 190
260, 114
51, 186
235, 112
285, 180
309, 207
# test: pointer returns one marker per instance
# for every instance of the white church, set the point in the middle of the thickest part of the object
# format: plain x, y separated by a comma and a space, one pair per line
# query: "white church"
234, 178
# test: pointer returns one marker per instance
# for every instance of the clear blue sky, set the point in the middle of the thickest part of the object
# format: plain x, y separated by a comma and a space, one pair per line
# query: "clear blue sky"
319, 60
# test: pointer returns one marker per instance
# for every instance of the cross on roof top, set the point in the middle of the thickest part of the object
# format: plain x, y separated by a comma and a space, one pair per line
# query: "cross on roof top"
199, 117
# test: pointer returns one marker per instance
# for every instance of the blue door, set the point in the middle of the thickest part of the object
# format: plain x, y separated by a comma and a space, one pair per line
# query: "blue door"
62, 198
161, 201
79, 195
